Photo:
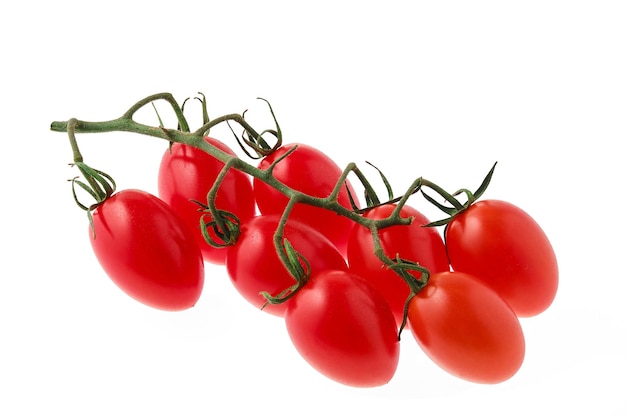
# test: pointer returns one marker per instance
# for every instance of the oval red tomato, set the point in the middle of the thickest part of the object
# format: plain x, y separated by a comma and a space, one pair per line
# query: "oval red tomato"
254, 266
467, 329
146, 249
187, 173
504, 247
345, 329
413, 242
310, 171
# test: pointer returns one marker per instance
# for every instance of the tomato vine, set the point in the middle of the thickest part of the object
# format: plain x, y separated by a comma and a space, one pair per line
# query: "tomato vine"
253, 139
458, 266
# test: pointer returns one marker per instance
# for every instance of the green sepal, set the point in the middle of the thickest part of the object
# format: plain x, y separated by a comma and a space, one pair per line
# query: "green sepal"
483, 186
84, 187
351, 198
294, 257
371, 199
300, 274
452, 212
159, 116
384, 179
99, 185
205, 113
445, 209
91, 226
241, 145
277, 133
438, 223
227, 237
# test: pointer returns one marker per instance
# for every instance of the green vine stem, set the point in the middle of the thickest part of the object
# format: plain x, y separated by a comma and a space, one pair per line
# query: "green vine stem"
223, 222
126, 124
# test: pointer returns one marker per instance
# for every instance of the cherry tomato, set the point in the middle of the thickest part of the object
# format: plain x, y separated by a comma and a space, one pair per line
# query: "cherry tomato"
147, 250
187, 173
504, 247
413, 242
467, 329
254, 266
345, 329
312, 172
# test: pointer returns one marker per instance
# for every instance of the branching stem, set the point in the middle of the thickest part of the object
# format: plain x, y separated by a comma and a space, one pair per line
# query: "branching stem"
290, 258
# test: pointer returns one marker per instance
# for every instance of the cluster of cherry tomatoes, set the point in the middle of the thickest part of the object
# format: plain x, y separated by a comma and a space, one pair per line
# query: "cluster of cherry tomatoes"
490, 265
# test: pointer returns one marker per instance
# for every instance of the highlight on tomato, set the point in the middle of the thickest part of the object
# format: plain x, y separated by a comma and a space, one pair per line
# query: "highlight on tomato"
147, 250
413, 242
467, 328
253, 265
310, 171
504, 247
187, 173
344, 329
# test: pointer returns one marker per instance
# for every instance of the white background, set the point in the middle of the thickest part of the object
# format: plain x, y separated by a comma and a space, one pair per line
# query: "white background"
439, 89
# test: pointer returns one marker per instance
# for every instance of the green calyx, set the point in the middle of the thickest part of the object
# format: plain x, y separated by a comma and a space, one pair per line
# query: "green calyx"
98, 184
456, 206
298, 267
224, 224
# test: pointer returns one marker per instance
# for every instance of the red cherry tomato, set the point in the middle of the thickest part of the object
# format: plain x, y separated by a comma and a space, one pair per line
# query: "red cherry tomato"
504, 247
254, 266
344, 328
187, 173
467, 329
147, 250
413, 242
312, 172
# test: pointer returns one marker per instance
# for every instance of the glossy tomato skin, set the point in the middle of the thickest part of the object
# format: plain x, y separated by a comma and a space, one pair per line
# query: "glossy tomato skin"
503, 246
254, 266
312, 172
467, 329
345, 329
413, 242
146, 249
187, 173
